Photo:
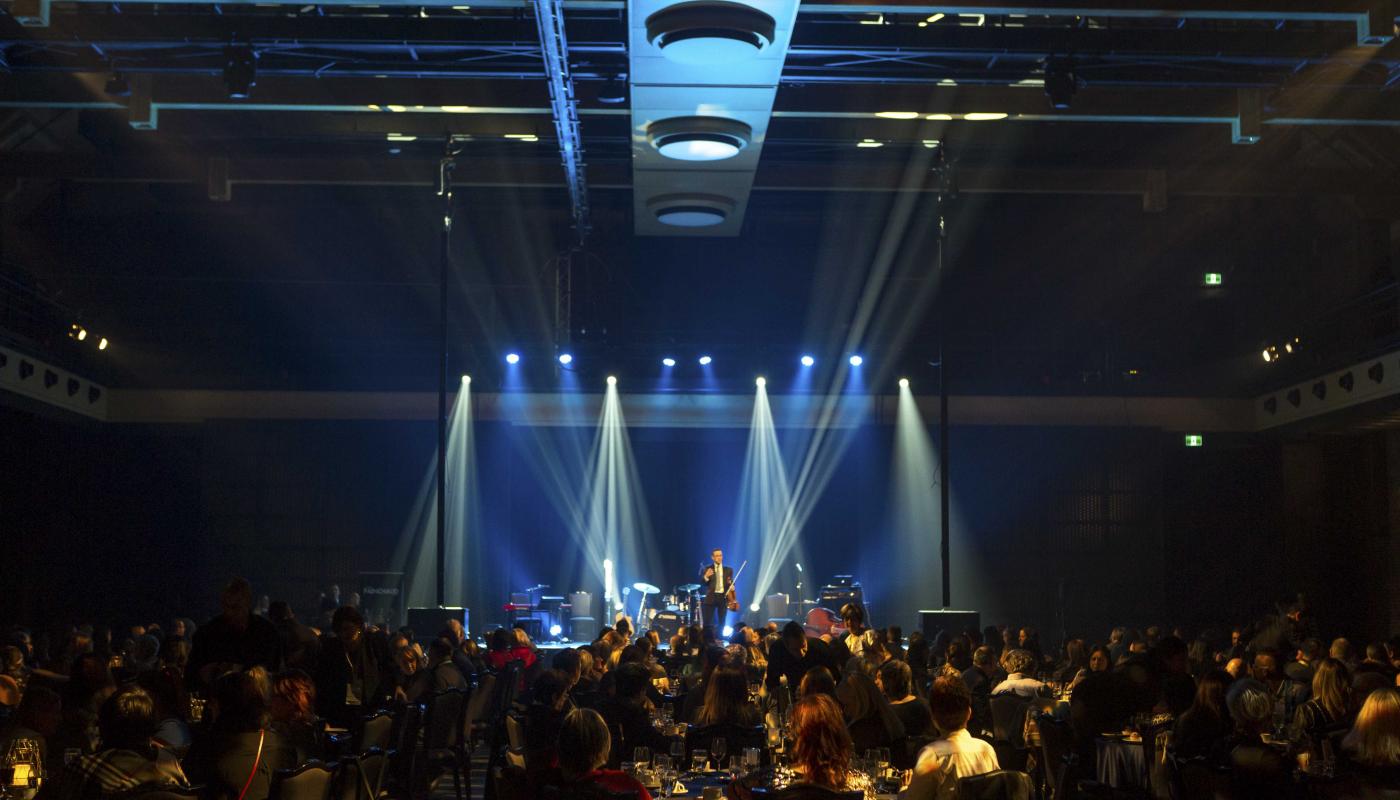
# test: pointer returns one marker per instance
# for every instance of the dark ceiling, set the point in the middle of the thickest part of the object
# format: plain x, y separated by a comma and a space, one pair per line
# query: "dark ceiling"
290, 239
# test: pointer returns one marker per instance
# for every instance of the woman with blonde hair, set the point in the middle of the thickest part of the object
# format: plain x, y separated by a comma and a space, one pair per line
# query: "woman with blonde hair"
1373, 745
1328, 709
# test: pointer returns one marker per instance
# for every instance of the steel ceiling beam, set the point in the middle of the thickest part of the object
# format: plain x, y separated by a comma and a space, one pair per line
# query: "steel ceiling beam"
563, 103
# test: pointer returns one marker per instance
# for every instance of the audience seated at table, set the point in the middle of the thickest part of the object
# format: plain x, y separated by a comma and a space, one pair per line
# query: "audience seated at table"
237, 754
293, 714
1372, 747
629, 710
822, 747
1327, 711
583, 747
956, 753
1020, 679
543, 719
1203, 729
1257, 769
727, 700
818, 680
126, 758
870, 719
895, 679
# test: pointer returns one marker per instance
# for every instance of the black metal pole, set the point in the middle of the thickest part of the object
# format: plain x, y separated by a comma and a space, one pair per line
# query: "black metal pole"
445, 260
942, 306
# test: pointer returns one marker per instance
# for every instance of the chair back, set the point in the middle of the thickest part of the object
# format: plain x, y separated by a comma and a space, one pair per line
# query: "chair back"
376, 731
477, 704
310, 781
1004, 784
362, 777
1197, 779
1056, 743
442, 721
1009, 718
405, 754
515, 733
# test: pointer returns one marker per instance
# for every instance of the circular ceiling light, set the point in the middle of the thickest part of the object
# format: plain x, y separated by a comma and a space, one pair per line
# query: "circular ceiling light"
708, 32
699, 138
691, 210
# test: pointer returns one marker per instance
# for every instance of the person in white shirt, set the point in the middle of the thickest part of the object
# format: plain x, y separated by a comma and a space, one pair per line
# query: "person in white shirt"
957, 754
1018, 665
857, 637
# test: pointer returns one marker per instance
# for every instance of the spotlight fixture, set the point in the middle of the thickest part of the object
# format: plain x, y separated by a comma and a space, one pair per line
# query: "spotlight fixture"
753, 606
699, 138
904, 383
566, 359
466, 379
856, 361
710, 32
240, 71
985, 116
117, 85
556, 630
1060, 85
691, 210
512, 358
668, 362
73, 386
1348, 381
102, 343
50, 379
728, 631
614, 91
760, 382
94, 394
26, 369
808, 361
705, 361
612, 380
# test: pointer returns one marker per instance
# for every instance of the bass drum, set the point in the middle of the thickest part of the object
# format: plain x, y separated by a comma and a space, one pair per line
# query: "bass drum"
666, 624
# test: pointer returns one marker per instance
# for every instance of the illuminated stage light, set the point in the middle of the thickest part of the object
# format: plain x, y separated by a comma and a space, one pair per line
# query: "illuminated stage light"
512, 358
808, 361
705, 361
668, 362
466, 379
753, 606
728, 631
612, 380
555, 630
904, 383
856, 361
102, 343
761, 382
566, 359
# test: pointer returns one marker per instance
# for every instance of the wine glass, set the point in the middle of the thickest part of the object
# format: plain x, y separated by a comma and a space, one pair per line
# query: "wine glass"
718, 747
736, 768
678, 752
699, 760
641, 755
668, 782
663, 762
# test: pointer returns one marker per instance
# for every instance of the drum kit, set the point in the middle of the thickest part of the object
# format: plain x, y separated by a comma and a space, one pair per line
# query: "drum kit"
671, 612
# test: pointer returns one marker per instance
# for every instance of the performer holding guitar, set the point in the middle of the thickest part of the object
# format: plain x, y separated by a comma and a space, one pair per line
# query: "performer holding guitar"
718, 581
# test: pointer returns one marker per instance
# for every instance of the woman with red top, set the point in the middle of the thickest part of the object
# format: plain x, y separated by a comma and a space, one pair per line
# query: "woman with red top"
583, 749
505, 649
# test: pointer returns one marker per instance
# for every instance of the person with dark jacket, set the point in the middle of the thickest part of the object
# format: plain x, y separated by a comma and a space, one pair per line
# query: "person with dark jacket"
239, 748
354, 676
300, 645
235, 640
629, 711
440, 674
794, 656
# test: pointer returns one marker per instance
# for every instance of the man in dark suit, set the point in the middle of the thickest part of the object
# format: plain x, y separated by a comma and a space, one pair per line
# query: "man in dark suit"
794, 656
717, 580
353, 675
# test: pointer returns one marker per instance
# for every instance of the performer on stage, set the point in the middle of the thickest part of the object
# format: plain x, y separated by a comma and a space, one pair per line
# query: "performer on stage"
718, 581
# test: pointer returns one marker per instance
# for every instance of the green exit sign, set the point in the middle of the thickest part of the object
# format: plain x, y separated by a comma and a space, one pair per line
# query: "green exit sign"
1213, 279
1195, 440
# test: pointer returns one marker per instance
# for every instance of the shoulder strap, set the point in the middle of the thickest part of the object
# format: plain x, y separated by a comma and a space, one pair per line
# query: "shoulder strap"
257, 759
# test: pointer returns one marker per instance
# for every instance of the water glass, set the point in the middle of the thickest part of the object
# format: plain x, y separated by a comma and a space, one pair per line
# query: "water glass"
663, 762
751, 759
678, 752
641, 755
884, 761
699, 761
717, 746
736, 768
668, 782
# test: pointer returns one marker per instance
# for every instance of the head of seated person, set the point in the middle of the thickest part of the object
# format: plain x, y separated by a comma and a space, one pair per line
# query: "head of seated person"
727, 700
821, 744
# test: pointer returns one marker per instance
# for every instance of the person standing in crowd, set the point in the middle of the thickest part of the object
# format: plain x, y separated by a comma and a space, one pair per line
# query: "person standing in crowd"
301, 647
235, 640
354, 676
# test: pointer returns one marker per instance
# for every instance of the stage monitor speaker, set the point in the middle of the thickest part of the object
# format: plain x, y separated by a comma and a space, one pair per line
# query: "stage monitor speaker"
583, 629
951, 621
776, 605
427, 623
581, 604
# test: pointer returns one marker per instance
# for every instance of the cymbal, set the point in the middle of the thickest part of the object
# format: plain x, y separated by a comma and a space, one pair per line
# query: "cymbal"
687, 588
645, 588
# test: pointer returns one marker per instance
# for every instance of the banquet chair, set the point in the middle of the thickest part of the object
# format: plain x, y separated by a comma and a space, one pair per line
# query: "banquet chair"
376, 731
1003, 784
310, 781
362, 777
442, 737
160, 792
806, 791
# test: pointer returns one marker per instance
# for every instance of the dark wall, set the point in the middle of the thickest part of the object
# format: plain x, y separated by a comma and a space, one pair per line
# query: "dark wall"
1061, 528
